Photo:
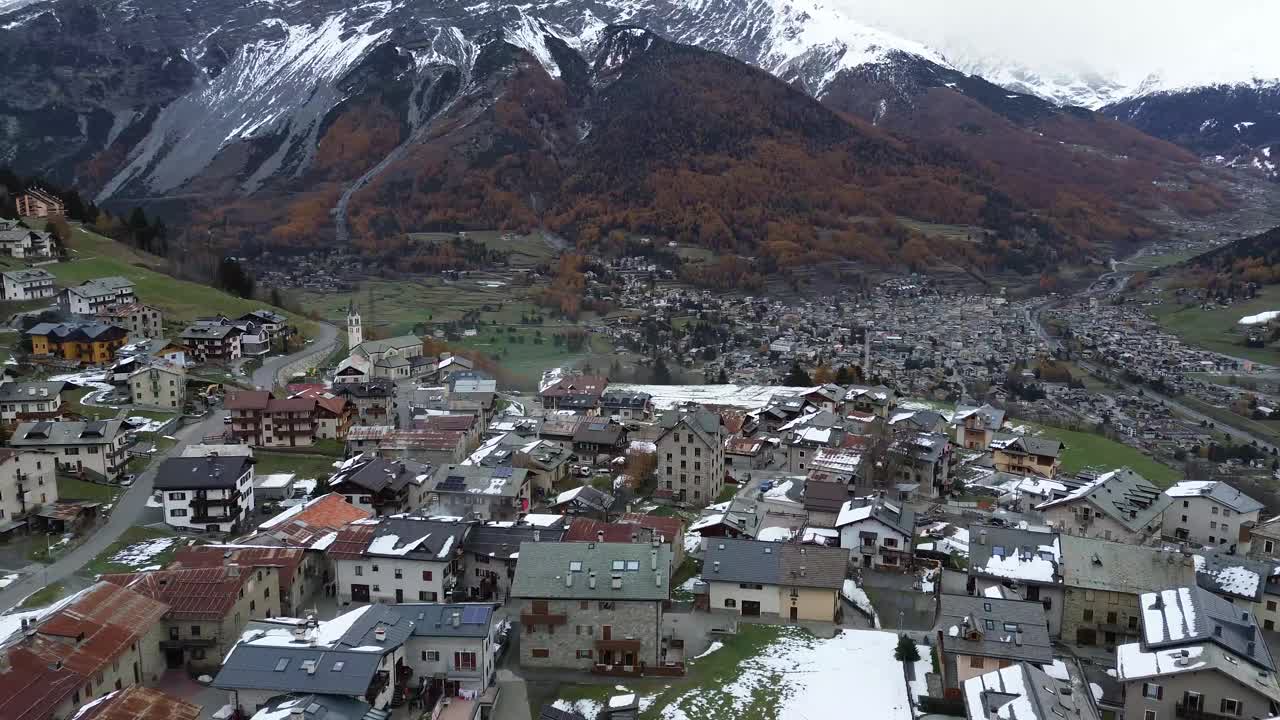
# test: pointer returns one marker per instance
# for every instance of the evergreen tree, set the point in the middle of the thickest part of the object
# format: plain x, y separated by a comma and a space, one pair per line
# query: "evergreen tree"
233, 278
906, 651
661, 374
723, 377
797, 377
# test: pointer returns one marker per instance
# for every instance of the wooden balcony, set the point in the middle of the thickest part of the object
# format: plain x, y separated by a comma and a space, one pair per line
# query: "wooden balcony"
529, 619
619, 644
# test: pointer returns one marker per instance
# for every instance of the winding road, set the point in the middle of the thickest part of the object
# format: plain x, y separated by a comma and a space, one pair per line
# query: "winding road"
131, 504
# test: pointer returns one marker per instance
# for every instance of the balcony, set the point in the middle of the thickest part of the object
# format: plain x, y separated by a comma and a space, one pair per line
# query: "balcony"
529, 619
1181, 710
622, 645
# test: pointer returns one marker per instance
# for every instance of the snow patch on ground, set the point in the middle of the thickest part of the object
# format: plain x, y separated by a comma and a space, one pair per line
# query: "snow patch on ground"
140, 554
858, 597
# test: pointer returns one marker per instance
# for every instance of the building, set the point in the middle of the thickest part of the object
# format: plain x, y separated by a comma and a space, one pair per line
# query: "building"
311, 525
978, 634
596, 437
39, 203
208, 608
95, 448
430, 447
583, 499
19, 241
90, 343
105, 640
579, 394
453, 648
1199, 657
546, 464
373, 403
162, 386
33, 284
141, 321
923, 460
398, 559
359, 654
1022, 691
1209, 513
137, 702
212, 342
742, 455
823, 502
1027, 455
261, 419
1103, 581
1024, 564
1118, 505
610, 594
976, 426
690, 457
876, 533
380, 486
624, 405
27, 485
490, 555
476, 492
380, 360
754, 578
94, 296
212, 493
31, 401
301, 574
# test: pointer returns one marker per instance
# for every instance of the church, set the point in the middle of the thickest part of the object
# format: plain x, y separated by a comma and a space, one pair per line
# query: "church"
397, 358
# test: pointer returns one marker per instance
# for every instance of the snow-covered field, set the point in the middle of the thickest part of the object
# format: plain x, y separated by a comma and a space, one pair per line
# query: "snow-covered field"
750, 397
796, 676
138, 555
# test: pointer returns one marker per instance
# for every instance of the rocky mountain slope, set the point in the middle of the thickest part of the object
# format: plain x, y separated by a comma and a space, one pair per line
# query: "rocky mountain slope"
273, 122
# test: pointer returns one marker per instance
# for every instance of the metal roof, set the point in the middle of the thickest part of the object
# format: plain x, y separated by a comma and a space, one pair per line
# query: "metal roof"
769, 563
564, 569
213, 471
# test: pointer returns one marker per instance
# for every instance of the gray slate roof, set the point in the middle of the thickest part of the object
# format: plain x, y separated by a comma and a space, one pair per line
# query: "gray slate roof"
1122, 495
1219, 492
1015, 543
318, 707
30, 391
213, 471
504, 541
768, 563
94, 432
543, 567
960, 617
1092, 564
436, 619
437, 536
1192, 615
1046, 698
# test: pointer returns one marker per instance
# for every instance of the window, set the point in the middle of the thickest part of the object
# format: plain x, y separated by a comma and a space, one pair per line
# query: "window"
426, 575
1088, 615
989, 624
1213, 525
464, 660
583, 654
751, 586
177, 496
540, 607
730, 603
891, 542
975, 662
375, 568
1149, 715
606, 604
540, 653
1111, 618
1153, 691
195, 631
1010, 627
359, 570
1133, 622
1213, 510
583, 604
1268, 546
1231, 706
426, 596
399, 573
178, 512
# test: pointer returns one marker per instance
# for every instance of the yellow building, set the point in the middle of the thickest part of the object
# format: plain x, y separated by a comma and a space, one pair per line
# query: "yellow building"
90, 343
1025, 455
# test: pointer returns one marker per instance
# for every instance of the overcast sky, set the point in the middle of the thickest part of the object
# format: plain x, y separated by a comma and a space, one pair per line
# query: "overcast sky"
1191, 40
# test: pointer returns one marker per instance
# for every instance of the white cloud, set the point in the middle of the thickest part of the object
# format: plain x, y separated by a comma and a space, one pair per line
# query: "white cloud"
1187, 42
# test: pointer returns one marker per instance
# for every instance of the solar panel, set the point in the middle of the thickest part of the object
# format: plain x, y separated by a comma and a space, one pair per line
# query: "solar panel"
502, 472
453, 482
475, 615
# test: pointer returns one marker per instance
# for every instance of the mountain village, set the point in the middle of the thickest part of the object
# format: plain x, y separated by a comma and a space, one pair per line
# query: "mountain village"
929, 501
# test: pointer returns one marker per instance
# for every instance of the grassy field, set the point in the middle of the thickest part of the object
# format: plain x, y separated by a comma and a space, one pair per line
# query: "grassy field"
1268, 429
70, 488
46, 595
393, 307
525, 250
1089, 450
133, 536
521, 354
305, 466
96, 256
1215, 329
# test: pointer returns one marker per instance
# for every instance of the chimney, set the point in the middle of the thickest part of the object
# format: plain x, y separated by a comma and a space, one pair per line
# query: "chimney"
657, 582
802, 569
380, 634
615, 582
715, 566
568, 579
537, 535
599, 536
591, 580
653, 559
1251, 647
297, 711
456, 619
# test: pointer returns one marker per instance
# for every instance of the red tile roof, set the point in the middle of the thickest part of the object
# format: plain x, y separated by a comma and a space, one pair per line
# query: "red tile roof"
587, 530
335, 405
331, 511
669, 527
206, 593
141, 703
298, 404
97, 628
352, 541
449, 422
30, 688
285, 559
248, 400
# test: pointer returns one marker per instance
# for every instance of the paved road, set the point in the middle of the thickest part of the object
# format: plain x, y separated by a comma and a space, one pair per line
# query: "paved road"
277, 370
128, 507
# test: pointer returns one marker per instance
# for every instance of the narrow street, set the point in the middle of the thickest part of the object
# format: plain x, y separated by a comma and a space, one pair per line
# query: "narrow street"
276, 370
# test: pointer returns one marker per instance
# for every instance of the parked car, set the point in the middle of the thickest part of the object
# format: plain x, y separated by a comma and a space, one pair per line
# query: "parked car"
127, 480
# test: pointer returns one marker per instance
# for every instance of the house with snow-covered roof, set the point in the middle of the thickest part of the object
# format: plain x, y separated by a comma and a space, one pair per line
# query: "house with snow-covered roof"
1022, 691
381, 486
876, 533
477, 492
980, 633
1024, 564
976, 426
1118, 505
1198, 656
398, 559
1210, 513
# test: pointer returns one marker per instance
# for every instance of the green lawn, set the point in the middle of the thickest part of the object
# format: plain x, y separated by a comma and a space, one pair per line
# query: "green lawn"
1216, 329
43, 597
393, 307
95, 256
163, 445
1086, 449
1267, 429
70, 488
525, 250
319, 467
72, 398
132, 537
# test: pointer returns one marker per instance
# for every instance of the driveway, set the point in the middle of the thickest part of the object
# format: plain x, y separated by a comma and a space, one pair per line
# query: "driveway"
128, 509
277, 370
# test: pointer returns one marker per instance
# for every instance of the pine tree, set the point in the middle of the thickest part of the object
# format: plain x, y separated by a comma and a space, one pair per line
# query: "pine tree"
797, 377
661, 374
906, 651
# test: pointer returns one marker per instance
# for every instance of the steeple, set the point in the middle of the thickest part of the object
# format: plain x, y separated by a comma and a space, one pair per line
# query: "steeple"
355, 333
